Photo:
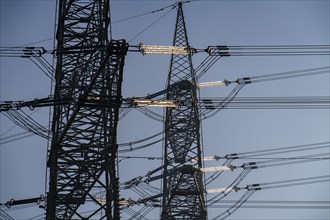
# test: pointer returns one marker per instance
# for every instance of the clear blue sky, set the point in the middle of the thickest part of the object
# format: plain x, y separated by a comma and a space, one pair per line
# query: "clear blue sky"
295, 22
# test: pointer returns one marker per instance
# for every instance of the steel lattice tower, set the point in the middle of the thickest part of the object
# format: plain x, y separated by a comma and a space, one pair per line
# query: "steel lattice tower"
183, 191
89, 71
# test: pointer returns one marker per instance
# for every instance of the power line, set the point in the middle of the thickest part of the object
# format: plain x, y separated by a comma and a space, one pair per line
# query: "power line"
269, 50
149, 26
4, 215
303, 102
252, 188
24, 121
272, 161
271, 206
271, 151
300, 202
35, 54
143, 14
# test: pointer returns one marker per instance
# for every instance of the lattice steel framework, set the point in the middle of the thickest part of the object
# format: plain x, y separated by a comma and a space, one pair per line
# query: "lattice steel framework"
183, 191
89, 70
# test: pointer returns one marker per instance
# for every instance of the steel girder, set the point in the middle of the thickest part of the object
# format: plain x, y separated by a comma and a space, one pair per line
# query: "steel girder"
183, 191
89, 71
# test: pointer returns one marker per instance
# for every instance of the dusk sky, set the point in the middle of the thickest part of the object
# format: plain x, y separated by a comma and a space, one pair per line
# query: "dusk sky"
208, 22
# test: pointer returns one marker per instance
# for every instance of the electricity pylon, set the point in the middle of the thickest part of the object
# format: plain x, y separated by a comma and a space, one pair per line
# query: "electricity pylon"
183, 190
87, 98
89, 72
